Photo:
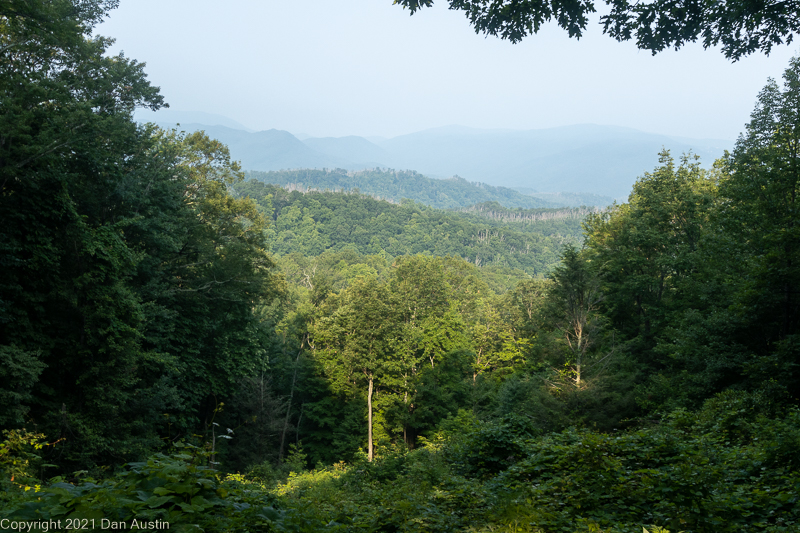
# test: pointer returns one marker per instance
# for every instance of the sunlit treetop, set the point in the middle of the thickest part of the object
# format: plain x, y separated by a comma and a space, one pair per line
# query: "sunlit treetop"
740, 27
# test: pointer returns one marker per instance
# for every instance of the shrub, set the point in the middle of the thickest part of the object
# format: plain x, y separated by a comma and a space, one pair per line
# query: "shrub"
177, 489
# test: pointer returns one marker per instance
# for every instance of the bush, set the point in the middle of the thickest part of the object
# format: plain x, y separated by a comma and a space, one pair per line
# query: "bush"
20, 465
177, 489
734, 472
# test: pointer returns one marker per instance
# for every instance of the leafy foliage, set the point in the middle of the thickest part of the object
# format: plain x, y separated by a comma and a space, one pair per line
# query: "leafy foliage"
724, 468
315, 222
740, 28
166, 491
131, 276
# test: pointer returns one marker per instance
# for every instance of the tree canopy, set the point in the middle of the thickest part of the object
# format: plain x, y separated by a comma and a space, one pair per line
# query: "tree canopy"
132, 280
739, 26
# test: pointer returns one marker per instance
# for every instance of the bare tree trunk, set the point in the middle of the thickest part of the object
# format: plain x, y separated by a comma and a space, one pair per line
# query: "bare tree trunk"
299, 419
580, 355
291, 396
405, 424
369, 421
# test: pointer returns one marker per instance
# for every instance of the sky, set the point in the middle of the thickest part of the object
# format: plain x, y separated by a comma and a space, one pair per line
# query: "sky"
365, 67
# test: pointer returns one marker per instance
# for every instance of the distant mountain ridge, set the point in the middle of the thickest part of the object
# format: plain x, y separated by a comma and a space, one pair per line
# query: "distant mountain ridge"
602, 160
352, 148
596, 160
269, 149
392, 185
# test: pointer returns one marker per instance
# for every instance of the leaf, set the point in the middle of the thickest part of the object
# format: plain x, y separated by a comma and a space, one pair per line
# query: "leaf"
187, 507
154, 501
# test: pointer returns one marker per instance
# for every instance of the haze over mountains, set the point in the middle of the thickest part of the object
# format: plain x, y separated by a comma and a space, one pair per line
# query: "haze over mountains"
394, 186
584, 158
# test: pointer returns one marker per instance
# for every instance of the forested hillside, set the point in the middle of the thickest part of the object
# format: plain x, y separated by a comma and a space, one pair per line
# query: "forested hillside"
558, 221
183, 349
395, 185
313, 222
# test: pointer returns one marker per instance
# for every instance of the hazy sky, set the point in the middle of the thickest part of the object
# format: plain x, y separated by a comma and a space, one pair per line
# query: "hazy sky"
365, 67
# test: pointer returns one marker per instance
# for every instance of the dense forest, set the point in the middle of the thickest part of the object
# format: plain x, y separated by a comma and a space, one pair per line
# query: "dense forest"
183, 348
313, 222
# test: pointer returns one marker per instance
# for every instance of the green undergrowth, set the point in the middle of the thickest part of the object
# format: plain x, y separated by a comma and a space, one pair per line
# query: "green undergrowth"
732, 467
178, 492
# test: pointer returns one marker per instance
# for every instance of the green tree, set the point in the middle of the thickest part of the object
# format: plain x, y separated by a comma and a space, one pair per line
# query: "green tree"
496, 346
133, 280
524, 305
353, 340
648, 250
760, 208
658, 274
68, 318
207, 272
575, 298
760, 236
433, 331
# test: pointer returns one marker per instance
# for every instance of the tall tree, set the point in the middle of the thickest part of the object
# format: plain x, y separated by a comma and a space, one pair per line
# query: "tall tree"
575, 298
353, 340
657, 275
68, 320
132, 278
647, 249
205, 272
759, 216
431, 317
